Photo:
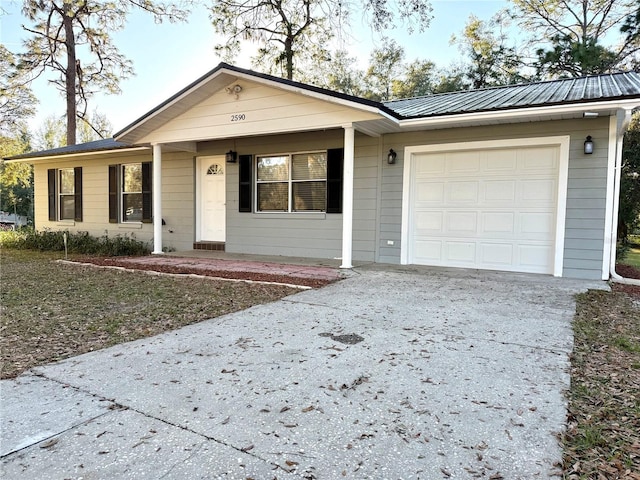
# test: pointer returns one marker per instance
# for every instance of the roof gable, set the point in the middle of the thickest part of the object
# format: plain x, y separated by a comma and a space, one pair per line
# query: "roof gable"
249, 107
216, 81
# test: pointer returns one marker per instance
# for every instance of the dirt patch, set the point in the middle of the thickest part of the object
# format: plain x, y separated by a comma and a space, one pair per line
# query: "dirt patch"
627, 271
203, 270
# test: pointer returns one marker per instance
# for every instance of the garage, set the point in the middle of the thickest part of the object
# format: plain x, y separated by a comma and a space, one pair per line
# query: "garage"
486, 205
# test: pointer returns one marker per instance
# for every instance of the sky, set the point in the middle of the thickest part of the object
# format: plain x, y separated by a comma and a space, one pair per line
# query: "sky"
168, 57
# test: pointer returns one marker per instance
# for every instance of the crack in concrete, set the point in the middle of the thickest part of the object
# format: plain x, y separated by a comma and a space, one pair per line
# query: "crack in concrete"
118, 406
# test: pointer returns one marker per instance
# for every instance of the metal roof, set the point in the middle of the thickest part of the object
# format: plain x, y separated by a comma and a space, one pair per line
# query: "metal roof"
573, 91
616, 86
95, 146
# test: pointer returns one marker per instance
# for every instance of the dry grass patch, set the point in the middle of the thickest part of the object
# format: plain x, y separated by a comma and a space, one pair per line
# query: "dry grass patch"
50, 311
603, 433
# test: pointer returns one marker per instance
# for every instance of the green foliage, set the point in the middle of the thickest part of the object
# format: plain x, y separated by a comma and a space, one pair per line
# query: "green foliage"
17, 101
385, 66
570, 58
16, 179
80, 242
629, 211
490, 61
579, 37
52, 132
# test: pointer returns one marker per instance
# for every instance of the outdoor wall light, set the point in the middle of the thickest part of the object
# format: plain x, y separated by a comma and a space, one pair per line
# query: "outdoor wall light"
231, 156
391, 157
588, 145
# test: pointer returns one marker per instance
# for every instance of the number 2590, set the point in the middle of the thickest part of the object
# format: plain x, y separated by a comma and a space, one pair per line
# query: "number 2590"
238, 117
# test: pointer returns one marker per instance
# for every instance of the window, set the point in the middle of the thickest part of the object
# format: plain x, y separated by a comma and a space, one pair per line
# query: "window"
130, 192
292, 183
65, 194
301, 182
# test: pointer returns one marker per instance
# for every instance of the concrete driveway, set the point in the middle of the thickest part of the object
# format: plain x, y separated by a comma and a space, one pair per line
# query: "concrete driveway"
390, 374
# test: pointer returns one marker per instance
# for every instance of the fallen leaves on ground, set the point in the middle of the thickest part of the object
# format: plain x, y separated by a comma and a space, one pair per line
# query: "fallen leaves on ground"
51, 310
603, 432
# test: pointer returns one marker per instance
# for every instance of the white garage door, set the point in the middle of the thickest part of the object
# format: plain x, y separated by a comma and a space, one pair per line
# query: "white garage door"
489, 209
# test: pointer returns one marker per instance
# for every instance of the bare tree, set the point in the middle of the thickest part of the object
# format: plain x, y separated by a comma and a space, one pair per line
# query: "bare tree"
72, 38
577, 32
287, 29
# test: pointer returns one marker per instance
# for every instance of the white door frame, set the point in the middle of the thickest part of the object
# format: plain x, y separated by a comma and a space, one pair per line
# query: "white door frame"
200, 162
563, 174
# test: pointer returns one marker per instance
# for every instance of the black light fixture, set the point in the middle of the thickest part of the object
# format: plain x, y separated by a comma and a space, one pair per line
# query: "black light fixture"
231, 156
391, 157
588, 145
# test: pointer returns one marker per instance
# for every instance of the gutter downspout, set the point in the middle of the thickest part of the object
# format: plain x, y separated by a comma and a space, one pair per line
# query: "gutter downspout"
623, 120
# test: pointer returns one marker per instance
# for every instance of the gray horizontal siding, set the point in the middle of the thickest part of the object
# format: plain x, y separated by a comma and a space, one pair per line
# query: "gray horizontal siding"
303, 235
586, 194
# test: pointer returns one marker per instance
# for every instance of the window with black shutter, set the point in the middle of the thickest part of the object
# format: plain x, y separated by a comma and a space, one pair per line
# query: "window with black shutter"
130, 193
294, 182
53, 204
77, 191
64, 188
335, 172
245, 189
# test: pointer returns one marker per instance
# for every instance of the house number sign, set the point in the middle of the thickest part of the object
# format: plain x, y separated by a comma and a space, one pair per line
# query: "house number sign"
238, 117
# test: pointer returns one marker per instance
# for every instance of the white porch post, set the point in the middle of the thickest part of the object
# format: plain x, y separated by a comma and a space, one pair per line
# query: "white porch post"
157, 199
347, 198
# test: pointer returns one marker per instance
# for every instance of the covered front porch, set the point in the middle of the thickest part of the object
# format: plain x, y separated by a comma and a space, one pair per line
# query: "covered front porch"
222, 199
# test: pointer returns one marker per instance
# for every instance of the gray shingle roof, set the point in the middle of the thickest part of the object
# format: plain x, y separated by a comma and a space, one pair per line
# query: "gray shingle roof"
95, 146
557, 92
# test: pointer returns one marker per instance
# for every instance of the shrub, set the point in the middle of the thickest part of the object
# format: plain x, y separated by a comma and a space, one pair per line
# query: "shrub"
80, 242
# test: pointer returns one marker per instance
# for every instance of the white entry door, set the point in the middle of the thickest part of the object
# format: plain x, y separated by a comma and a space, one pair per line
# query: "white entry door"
212, 199
485, 208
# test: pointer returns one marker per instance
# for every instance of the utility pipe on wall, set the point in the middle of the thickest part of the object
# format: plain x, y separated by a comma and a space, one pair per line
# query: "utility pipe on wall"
623, 120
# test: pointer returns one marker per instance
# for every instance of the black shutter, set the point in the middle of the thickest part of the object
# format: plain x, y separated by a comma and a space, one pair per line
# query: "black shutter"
245, 190
147, 181
51, 178
113, 193
77, 193
335, 171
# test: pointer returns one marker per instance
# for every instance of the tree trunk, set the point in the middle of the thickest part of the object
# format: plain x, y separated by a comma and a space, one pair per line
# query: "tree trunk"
288, 51
70, 74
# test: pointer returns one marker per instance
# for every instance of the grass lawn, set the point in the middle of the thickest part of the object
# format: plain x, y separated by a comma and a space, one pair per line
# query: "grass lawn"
602, 440
633, 257
50, 311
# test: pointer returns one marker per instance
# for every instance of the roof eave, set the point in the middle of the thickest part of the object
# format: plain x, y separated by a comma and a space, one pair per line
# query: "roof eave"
505, 116
40, 158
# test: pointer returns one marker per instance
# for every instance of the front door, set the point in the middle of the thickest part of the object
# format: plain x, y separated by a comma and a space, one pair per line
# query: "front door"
212, 199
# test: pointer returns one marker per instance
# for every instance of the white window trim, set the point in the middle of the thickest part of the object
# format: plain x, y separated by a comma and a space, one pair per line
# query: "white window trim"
59, 193
563, 142
290, 183
121, 194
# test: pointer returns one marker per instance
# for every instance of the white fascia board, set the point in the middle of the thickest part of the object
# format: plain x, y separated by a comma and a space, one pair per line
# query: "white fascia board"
78, 154
251, 78
454, 120
147, 117
309, 93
